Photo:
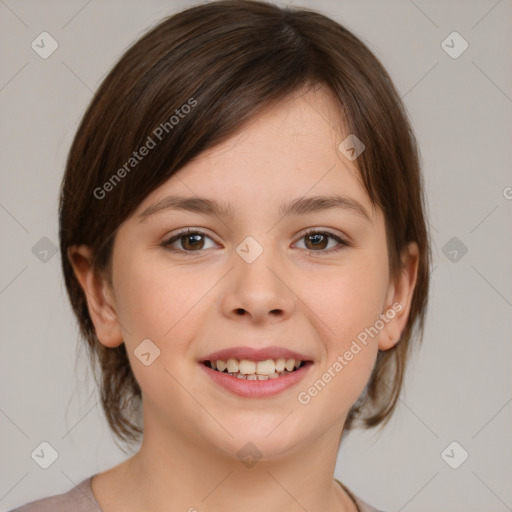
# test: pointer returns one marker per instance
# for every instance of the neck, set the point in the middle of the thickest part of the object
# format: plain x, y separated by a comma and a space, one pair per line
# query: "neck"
191, 475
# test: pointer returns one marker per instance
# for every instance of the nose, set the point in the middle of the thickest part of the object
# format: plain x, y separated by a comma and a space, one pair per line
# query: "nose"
259, 290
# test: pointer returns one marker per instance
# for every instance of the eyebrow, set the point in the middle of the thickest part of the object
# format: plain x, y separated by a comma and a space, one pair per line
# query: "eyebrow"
299, 206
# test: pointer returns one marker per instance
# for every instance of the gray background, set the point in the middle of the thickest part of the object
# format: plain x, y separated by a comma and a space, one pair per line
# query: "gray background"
458, 384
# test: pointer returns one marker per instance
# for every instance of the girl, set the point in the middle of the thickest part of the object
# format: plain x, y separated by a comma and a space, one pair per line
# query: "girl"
244, 246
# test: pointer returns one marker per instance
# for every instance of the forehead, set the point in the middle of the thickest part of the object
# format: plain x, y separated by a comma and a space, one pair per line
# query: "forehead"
289, 150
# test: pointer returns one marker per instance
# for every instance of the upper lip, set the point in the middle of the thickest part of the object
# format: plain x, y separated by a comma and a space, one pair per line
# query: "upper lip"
255, 354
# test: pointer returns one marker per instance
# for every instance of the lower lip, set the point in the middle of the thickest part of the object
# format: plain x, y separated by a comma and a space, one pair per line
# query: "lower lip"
257, 388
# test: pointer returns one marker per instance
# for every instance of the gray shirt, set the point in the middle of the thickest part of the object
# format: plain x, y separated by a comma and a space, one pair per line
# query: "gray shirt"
81, 499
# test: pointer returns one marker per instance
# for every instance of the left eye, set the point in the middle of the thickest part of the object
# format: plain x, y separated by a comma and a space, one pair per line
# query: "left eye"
318, 240
193, 241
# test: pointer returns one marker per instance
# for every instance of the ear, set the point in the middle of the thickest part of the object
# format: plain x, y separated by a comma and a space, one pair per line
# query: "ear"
399, 298
99, 296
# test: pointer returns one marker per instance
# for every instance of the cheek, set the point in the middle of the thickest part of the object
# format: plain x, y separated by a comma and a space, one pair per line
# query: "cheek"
158, 302
155, 298
347, 304
347, 299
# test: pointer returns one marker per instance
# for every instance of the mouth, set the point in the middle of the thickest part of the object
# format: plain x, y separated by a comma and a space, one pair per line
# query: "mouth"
252, 372
247, 369
257, 378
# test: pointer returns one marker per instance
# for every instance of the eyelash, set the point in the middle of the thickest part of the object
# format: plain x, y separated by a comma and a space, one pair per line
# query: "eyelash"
190, 231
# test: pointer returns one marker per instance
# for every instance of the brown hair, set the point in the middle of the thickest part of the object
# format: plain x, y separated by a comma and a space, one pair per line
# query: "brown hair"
233, 58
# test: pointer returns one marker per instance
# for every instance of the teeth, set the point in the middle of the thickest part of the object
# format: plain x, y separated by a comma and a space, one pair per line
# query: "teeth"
255, 376
247, 367
256, 370
280, 365
232, 365
267, 367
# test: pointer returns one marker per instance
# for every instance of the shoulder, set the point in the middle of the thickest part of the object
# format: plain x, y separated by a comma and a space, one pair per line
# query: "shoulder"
78, 499
361, 505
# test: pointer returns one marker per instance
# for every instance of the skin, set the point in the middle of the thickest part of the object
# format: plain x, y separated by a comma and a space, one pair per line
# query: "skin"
295, 295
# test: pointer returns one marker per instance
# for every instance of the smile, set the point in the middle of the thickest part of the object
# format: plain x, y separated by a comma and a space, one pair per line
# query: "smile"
256, 379
256, 370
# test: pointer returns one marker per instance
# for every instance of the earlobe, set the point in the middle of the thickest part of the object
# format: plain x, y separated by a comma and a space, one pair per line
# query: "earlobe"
98, 294
398, 303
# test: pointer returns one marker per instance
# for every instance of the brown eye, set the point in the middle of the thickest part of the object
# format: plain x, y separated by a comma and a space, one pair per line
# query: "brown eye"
318, 241
187, 241
191, 242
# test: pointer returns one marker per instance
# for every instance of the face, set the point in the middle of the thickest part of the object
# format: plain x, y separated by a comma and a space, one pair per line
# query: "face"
255, 282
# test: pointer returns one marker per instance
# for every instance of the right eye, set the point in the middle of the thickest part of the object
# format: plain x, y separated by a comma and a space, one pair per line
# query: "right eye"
189, 239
